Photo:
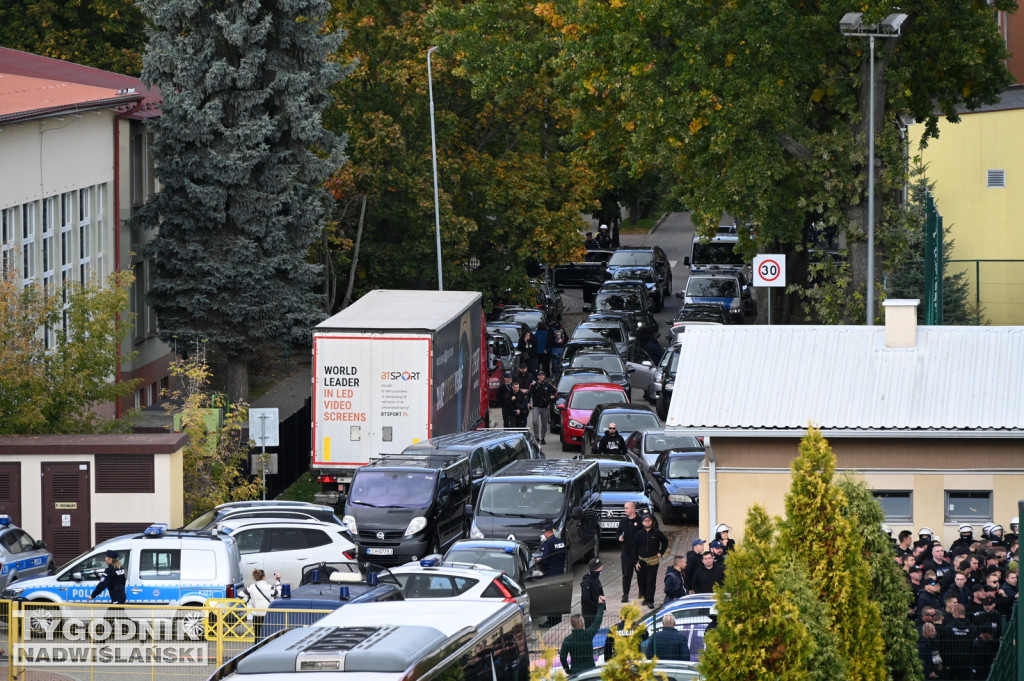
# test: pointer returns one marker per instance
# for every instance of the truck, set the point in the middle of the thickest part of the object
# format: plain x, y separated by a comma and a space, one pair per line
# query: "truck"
392, 369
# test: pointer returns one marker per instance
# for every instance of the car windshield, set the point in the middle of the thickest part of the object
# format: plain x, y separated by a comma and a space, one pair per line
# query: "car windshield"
499, 560
638, 273
588, 399
619, 300
202, 522
610, 333
393, 489
529, 317
628, 421
621, 478
566, 383
683, 467
659, 442
528, 499
712, 288
716, 253
627, 258
610, 364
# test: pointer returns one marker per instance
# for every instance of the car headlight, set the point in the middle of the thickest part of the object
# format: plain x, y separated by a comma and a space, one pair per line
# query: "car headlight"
680, 498
573, 423
475, 533
12, 592
350, 523
639, 323
416, 526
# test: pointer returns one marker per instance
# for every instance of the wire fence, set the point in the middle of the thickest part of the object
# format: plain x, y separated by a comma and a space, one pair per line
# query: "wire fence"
994, 289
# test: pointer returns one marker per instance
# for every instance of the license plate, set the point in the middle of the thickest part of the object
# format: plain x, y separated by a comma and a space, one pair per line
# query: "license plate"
379, 551
610, 524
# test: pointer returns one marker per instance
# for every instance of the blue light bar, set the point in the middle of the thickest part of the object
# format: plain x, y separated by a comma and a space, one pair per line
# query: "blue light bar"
155, 530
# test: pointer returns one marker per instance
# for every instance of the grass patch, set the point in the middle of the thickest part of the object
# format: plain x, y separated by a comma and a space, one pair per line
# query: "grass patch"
642, 226
302, 489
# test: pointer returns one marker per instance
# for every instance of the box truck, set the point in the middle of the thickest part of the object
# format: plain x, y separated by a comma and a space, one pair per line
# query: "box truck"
390, 370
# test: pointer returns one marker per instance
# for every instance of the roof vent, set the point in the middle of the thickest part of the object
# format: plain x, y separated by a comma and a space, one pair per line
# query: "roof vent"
900, 322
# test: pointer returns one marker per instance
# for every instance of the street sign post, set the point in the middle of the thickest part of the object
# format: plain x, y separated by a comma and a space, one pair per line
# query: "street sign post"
263, 425
770, 271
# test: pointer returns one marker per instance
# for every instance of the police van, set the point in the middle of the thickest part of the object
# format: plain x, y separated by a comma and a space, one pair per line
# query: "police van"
161, 568
411, 641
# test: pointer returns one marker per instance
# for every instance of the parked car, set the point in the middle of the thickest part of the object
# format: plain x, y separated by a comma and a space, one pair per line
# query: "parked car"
281, 510
573, 274
692, 615
621, 481
503, 350
675, 488
575, 410
548, 298
722, 288
530, 316
548, 595
609, 362
628, 286
626, 417
666, 367
286, 546
646, 444
648, 276
569, 378
495, 370
669, 670
614, 331
635, 304
574, 346
513, 331
640, 366
652, 255
21, 556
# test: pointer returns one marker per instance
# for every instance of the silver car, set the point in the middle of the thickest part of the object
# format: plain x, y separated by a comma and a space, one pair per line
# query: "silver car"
21, 555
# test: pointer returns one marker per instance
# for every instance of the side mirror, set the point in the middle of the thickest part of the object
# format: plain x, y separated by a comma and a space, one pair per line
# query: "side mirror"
39, 545
631, 339
577, 513
560, 290
647, 363
631, 370
478, 473
560, 404
681, 295
586, 309
686, 260
649, 487
77, 576
657, 476
468, 509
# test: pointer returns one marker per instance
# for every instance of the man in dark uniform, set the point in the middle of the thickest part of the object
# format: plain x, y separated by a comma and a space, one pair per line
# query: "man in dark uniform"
650, 545
551, 562
506, 398
628, 527
963, 544
591, 592
611, 442
113, 579
692, 562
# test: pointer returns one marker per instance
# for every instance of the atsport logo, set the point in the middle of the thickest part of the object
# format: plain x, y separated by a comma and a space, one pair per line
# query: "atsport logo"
400, 376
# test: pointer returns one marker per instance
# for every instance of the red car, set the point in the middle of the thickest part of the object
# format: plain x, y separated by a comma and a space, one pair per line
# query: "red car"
579, 404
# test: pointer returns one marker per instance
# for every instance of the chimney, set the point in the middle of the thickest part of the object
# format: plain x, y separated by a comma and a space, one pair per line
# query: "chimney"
900, 322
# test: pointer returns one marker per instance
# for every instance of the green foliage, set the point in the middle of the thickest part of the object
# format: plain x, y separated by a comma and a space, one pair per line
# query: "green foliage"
53, 387
818, 534
104, 34
629, 663
241, 157
887, 586
216, 456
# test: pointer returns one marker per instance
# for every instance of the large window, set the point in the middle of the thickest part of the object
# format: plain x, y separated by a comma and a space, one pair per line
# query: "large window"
968, 506
898, 505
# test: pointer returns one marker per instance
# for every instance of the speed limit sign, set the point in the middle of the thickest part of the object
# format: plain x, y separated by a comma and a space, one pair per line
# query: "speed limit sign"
769, 270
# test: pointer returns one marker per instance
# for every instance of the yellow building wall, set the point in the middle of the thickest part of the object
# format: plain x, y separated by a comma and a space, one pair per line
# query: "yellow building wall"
737, 491
985, 222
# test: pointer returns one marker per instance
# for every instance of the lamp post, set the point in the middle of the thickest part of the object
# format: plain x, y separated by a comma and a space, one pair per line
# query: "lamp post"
433, 155
852, 25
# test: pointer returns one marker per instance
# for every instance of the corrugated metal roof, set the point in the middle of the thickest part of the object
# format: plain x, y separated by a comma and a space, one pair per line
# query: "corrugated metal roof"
842, 378
393, 309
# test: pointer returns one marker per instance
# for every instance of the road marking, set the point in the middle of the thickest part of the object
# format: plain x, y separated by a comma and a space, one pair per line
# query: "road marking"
672, 263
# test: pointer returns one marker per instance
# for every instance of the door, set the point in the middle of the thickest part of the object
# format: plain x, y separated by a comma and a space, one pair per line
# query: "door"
66, 515
159, 575
250, 548
642, 367
10, 491
550, 595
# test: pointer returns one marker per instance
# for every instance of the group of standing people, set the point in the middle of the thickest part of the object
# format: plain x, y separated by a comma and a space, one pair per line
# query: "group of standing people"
603, 240
525, 394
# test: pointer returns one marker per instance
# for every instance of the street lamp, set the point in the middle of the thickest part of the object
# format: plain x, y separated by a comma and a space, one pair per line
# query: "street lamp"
852, 25
433, 154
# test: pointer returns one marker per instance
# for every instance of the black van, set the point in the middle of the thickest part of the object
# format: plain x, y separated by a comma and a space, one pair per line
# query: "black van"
517, 501
488, 451
402, 507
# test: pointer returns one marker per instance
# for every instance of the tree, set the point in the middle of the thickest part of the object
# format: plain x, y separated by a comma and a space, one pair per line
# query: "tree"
104, 34
817, 532
887, 586
216, 456
59, 352
629, 662
241, 156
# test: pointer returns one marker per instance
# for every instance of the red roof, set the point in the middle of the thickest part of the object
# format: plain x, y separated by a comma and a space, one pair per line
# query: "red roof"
51, 85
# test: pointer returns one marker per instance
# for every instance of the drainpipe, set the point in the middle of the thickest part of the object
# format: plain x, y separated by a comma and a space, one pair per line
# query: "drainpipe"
712, 486
118, 411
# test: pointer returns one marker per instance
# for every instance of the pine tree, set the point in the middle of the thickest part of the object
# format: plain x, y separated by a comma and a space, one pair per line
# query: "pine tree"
888, 588
241, 157
817, 533
760, 633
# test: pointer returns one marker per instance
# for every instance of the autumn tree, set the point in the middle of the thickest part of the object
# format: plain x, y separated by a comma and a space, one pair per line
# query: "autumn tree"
59, 353
241, 154
886, 585
818, 533
629, 662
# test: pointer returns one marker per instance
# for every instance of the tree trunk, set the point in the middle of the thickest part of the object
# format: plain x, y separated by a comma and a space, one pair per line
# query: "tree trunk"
238, 380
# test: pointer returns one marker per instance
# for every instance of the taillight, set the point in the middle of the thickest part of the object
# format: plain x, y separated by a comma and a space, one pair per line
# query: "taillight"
349, 554
229, 592
509, 598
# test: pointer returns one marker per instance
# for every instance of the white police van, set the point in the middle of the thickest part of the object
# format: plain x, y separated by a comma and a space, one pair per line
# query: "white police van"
20, 555
161, 568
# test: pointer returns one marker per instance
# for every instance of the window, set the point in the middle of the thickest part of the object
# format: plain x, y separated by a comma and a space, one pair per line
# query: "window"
316, 538
287, 539
969, 507
160, 564
92, 568
249, 541
897, 505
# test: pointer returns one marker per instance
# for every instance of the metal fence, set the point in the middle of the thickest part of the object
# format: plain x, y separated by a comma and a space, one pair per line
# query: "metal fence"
1005, 665
994, 289
114, 643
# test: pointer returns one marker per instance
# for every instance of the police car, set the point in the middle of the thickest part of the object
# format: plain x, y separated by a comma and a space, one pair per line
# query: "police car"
20, 555
161, 568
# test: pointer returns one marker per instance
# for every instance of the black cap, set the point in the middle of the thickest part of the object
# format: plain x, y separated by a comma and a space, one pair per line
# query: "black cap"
914, 568
595, 564
647, 516
988, 600
114, 555
548, 527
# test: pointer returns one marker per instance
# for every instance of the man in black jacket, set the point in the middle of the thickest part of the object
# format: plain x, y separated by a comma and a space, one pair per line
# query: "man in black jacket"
692, 562
628, 527
506, 396
541, 395
611, 442
708, 574
591, 592
674, 585
650, 545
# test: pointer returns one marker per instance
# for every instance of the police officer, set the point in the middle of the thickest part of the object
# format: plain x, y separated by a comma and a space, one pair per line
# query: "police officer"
506, 398
604, 239
551, 562
1014, 534
611, 442
964, 542
722, 535
113, 579
650, 545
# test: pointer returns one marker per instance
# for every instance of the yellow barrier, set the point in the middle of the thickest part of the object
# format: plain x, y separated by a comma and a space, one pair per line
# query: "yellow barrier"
101, 642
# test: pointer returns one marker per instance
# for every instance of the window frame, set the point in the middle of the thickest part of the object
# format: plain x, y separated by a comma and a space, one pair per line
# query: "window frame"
879, 494
973, 519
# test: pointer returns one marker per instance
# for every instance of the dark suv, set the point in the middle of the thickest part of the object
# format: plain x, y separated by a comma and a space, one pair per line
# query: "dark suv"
653, 256
634, 303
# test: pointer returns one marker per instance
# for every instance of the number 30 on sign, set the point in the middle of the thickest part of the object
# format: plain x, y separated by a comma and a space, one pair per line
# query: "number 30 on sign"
769, 270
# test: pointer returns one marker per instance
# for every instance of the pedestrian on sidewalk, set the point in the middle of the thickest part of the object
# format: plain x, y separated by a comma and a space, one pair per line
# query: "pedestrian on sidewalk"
542, 394
674, 585
591, 591
650, 545
628, 527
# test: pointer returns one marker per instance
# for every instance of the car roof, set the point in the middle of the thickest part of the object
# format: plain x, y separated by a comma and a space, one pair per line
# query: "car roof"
415, 568
624, 407
596, 386
596, 352
574, 371
486, 544
270, 505
237, 523
559, 469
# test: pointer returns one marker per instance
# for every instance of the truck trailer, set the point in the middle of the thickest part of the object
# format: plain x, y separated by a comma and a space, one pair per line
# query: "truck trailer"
390, 370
